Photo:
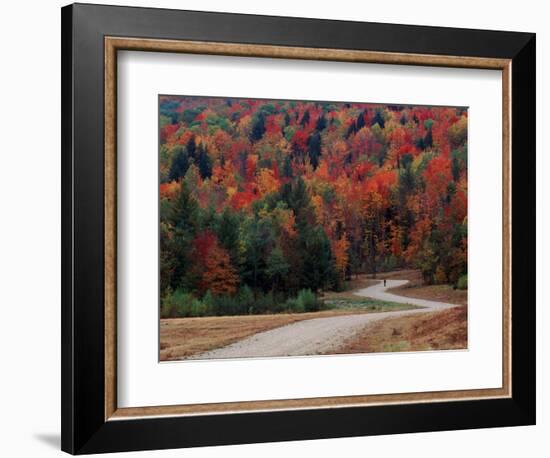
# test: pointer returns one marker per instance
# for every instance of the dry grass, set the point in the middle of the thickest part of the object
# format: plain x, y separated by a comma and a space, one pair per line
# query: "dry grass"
441, 293
443, 330
183, 337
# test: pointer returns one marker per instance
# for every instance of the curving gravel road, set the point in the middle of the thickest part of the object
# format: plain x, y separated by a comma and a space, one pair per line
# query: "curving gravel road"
379, 291
320, 335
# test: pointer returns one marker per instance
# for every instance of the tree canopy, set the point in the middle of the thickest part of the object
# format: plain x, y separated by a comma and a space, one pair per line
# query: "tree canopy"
274, 197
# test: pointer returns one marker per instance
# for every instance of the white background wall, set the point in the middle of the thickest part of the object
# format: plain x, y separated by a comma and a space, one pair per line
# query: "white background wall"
30, 227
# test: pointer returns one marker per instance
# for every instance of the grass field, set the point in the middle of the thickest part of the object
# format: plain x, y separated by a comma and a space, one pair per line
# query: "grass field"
440, 293
365, 304
428, 331
357, 282
183, 337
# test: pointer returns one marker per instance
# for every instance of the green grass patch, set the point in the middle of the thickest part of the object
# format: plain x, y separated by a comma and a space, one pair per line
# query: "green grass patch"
397, 346
373, 305
403, 345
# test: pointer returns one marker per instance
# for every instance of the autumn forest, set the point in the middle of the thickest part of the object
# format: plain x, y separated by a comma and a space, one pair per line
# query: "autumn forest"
265, 205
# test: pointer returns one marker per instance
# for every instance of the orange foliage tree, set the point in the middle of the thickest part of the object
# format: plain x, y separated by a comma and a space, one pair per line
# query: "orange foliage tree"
219, 276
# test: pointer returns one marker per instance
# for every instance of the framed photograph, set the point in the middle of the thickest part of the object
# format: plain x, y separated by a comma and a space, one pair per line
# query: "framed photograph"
282, 228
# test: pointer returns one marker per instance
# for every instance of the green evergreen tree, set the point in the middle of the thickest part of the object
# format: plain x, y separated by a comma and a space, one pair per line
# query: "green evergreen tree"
204, 162
287, 118
167, 258
277, 267
258, 128
180, 164
318, 268
360, 122
184, 222
314, 148
287, 167
228, 234
321, 123
256, 238
378, 119
305, 119
297, 198
191, 147
428, 139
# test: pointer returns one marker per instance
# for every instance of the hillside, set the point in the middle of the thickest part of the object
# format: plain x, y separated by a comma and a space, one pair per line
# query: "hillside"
262, 200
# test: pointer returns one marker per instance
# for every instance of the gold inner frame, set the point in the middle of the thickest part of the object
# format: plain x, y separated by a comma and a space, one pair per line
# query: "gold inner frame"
114, 44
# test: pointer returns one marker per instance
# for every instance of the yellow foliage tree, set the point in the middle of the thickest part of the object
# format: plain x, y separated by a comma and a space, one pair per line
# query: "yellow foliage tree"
267, 182
341, 256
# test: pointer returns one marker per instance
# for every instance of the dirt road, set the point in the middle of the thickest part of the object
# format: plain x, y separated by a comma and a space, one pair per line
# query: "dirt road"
320, 335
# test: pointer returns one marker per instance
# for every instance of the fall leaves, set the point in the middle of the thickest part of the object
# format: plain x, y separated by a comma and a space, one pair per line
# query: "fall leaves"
279, 196
218, 275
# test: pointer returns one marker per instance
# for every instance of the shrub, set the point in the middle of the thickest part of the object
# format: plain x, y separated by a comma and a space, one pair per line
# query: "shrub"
294, 305
245, 299
264, 303
279, 302
165, 304
306, 301
242, 303
462, 282
208, 300
225, 305
180, 304
309, 300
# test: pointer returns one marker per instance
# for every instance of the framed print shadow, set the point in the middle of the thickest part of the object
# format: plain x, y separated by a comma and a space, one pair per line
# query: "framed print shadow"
282, 228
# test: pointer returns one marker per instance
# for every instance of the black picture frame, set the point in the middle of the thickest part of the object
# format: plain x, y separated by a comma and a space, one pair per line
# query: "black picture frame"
84, 429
